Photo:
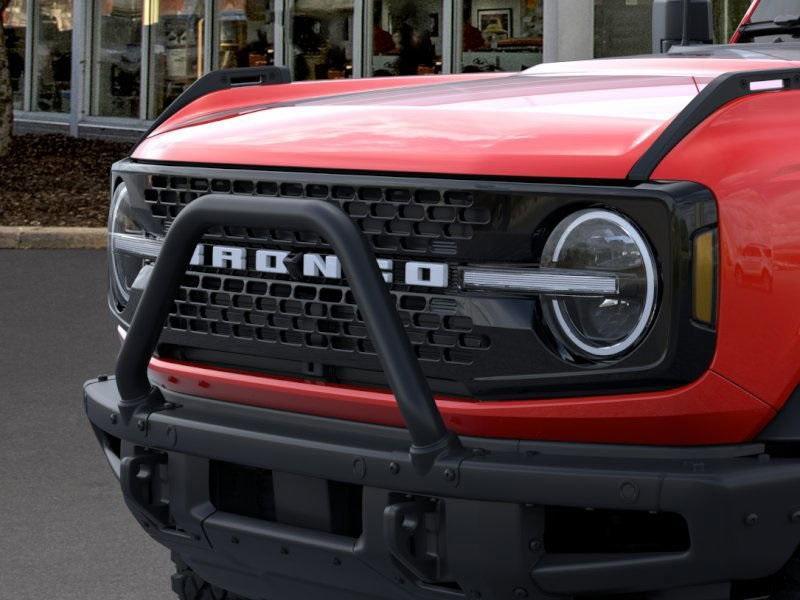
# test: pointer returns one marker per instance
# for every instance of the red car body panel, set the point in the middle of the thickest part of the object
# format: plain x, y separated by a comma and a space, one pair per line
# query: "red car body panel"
564, 127
584, 120
710, 411
758, 344
227, 103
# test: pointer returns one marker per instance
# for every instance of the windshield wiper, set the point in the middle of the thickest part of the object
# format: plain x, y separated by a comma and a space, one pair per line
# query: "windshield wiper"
780, 24
787, 21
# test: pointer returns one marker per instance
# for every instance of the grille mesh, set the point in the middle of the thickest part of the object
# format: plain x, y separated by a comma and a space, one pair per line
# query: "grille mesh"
317, 316
410, 221
275, 310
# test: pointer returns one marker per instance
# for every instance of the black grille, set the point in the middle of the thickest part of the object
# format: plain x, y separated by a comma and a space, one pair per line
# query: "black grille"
412, 221
480, 345
280, 312
317, 316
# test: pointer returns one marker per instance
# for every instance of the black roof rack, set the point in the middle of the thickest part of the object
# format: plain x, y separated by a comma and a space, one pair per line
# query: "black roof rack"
222, 80
714, 96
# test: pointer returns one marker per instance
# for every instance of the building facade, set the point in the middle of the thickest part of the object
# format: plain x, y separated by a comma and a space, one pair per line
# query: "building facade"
107, 67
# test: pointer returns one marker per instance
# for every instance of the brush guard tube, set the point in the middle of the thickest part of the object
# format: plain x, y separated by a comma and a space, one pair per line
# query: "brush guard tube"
430, 437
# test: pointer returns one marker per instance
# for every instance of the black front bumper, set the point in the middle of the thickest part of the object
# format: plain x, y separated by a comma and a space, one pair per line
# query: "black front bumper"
277, 505
484, 517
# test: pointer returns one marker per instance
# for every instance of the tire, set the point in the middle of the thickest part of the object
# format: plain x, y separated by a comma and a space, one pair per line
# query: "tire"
188, 585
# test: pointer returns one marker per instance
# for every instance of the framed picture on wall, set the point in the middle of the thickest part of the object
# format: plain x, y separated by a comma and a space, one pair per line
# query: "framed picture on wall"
496, 23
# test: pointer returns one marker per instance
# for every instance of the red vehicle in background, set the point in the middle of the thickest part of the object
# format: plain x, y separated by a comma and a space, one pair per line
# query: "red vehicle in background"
524, 335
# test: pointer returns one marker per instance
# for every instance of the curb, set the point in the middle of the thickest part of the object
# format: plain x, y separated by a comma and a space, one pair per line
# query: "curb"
53, 238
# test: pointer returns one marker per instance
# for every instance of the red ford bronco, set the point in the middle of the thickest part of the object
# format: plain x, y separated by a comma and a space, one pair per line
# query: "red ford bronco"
499, 336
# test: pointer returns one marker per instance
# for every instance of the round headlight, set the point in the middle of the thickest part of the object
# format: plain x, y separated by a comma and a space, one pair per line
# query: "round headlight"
129, 243
601, 326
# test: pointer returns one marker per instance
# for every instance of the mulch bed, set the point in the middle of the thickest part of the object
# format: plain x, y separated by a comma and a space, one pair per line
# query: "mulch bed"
56, 180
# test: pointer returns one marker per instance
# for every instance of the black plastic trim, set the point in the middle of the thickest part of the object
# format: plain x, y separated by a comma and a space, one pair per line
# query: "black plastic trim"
222, 79
715, 95
152, 166
492, 502
753, 30
785, 427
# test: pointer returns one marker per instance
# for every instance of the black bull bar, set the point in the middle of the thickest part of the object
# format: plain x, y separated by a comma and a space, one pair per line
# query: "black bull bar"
430, 437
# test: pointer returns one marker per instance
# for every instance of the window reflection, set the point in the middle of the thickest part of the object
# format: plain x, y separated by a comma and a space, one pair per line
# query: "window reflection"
14, 26
321, 39
622, 28
176, 57
504, 36
53, 56
406, 37
245, 33
117, 63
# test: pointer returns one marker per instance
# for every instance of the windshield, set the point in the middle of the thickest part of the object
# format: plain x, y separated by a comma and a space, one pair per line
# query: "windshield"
769, 10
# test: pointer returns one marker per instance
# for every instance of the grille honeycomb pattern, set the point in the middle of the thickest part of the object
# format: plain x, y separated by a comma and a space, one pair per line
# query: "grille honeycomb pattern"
404, 220
321, 317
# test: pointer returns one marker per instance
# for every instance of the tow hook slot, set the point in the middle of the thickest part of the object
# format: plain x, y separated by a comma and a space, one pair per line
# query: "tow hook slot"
413, 529
139, 476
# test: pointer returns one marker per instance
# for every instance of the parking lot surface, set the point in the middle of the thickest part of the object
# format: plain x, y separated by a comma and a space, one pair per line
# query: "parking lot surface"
65, 533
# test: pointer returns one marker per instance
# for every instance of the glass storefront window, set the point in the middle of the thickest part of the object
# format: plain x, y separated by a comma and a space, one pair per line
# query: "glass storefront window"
623, 27
117, 67
406, 37
15, 23
52, 56
321, 39
244, 33
176, 53
501, 36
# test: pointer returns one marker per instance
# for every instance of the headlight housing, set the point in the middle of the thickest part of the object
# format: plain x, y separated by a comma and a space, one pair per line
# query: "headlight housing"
601, 326
131, 244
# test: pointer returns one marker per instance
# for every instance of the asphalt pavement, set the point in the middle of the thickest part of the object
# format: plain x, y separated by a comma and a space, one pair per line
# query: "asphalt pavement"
65, 533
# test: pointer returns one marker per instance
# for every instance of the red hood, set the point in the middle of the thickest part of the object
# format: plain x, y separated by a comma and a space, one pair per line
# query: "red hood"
588, 120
